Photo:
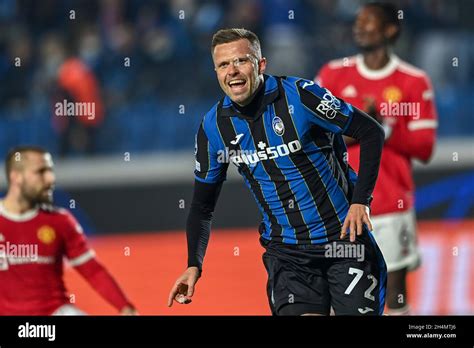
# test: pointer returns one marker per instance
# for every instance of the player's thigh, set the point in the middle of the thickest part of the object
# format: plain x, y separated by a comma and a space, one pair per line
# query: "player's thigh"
358, 287
292, 290
397, 239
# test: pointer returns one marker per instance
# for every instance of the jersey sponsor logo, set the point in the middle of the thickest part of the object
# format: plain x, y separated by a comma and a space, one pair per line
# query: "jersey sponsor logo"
237, 139
265, 152
45, 260
46, 234
2, 237
329, 105
278, 126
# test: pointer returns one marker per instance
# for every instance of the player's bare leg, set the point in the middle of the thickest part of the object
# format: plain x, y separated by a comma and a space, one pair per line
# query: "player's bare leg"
397, 293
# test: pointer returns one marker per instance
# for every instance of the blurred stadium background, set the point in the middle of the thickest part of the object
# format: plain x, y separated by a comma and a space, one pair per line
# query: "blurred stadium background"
128, 174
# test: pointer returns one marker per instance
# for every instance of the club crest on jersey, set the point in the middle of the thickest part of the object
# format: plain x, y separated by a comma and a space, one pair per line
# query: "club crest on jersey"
46, 234
278, 126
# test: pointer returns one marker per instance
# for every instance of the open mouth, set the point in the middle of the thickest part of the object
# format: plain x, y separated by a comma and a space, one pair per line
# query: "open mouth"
237, 85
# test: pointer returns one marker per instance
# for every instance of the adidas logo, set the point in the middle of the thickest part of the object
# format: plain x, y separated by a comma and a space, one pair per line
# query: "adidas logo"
349, 92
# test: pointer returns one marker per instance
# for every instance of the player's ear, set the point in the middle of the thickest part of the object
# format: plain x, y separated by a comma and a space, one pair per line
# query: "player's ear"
15, 176
390, 31
262, 65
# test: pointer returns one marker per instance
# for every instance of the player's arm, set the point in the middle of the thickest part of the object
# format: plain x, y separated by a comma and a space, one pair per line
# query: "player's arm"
324, 79
339, 117
209, 174
417, 138
198, 230
103, 282
82, 258
198, 224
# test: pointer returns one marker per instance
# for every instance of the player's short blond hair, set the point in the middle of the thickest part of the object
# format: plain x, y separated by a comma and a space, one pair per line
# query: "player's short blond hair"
234, 34
14, 156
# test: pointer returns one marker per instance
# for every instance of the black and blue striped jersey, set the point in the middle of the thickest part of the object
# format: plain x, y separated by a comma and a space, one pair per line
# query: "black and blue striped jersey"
291, 155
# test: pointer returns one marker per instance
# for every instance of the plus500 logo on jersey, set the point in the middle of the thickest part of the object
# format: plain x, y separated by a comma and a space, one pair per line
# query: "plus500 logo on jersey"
251, 158
329, 105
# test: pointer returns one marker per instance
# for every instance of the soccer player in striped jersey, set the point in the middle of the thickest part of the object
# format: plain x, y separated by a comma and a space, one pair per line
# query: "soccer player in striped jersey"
34, 238
284, 134
401, 98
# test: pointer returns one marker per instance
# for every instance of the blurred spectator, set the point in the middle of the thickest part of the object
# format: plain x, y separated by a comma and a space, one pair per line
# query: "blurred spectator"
18, 73
77, 106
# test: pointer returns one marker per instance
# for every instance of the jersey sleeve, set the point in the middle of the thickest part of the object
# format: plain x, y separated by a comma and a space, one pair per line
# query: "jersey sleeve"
416, 138
322, 77
77, 249
210, 166
423, 93
322, 108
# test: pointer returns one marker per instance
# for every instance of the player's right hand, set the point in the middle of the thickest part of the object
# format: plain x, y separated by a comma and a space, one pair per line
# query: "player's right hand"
183, 288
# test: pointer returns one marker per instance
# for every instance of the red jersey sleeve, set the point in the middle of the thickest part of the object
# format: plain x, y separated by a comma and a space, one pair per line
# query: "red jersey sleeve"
323, 78
76, 248
82, 258
416, 138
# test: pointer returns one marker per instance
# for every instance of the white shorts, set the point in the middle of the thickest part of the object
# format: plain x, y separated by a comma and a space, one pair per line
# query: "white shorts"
68, 309
396, 236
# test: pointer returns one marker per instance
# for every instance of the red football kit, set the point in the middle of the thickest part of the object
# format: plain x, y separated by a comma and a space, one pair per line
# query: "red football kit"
32, 247
400, 95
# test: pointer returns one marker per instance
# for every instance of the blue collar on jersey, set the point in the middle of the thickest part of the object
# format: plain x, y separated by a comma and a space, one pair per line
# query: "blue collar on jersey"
271, 93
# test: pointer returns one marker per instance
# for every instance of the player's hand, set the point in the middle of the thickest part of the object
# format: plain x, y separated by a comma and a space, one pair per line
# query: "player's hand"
357, 216
128, 310
183, 288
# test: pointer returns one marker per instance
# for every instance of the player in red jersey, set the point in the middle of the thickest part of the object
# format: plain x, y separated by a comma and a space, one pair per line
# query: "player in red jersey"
34, 238
400, 97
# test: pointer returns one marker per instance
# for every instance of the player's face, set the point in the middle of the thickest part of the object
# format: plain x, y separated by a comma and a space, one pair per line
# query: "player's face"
37, 178
238, 70
368, 29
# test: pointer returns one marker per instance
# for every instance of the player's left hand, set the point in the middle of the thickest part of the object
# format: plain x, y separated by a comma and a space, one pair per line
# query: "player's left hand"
357, 216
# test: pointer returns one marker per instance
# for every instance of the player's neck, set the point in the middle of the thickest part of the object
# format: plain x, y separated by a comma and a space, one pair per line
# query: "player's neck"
376, 59
251, 109
16, 205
